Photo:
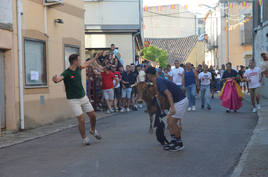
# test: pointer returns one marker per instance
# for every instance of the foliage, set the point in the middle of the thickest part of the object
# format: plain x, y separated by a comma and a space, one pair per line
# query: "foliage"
156, 54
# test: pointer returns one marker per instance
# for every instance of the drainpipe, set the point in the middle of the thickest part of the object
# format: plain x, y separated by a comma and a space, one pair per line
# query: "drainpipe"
133, 45
19, 14
45, 19
253, 30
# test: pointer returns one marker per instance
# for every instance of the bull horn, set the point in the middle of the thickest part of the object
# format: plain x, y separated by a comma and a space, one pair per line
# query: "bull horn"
149, 83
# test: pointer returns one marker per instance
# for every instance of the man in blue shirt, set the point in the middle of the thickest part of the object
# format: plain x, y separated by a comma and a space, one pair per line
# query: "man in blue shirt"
178, 105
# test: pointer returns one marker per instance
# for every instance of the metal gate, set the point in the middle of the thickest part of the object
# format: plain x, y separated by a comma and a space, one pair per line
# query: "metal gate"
2, 91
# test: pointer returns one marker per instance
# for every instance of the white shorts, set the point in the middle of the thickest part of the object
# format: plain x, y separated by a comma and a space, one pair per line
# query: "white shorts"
181, 108
80, 105
108, 94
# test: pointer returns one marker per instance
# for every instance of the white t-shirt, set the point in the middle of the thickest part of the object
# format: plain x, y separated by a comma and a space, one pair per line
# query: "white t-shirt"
254, 76
141, 76
218, 74
205, 78
176, 74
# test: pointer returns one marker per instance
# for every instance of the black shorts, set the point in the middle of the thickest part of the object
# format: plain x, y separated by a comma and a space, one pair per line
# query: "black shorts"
117, 93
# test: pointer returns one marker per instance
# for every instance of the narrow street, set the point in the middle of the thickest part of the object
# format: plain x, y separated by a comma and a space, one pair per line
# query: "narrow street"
214, 141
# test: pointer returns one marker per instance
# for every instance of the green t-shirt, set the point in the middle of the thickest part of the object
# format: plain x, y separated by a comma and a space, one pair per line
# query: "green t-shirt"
73, 84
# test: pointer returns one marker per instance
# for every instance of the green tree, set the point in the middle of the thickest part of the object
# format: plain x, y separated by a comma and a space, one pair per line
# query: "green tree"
156, 54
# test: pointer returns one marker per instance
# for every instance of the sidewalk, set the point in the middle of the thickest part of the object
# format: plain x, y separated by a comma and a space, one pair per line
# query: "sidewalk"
10, 138
254, 160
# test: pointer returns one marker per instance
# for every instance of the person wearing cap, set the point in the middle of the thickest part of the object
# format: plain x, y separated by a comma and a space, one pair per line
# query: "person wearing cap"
178, 106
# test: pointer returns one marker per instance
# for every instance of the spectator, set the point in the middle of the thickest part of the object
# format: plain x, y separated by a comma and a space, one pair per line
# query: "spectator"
253, 75
205, 79
160, 72
137, 58
199, 69
177, 74
243, 83
117, 54
169, 72
141, 83
102, 58
108, 87
117, 89
127, 80
213, 85
166, 73
191, 83
264, 65
134, 87
221, 72
218, 78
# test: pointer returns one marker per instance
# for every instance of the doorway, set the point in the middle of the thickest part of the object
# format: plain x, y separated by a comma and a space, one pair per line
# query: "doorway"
2, 91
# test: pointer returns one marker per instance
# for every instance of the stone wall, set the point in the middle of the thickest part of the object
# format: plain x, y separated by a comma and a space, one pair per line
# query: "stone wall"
261, 44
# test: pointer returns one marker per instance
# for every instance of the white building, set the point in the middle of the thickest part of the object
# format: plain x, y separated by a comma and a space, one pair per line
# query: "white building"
114, 22
173, 21
215, 54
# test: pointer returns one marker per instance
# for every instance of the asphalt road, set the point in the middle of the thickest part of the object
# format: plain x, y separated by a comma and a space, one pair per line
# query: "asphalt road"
214, 141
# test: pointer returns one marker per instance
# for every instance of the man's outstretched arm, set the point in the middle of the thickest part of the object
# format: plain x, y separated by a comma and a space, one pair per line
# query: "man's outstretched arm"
57, 79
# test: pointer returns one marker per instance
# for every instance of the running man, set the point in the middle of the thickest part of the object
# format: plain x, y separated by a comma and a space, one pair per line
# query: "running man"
253, 76
178, 105
76, 96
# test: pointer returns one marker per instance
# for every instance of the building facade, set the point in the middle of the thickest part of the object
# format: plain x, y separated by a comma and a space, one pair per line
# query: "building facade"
43, 42
260, 34
7, 63
229, 29
114, 22
173, 21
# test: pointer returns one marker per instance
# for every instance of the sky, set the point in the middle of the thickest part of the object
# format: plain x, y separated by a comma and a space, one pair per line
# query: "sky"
193, 5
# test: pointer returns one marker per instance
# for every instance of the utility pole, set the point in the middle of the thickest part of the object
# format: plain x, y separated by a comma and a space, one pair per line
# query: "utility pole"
228, 34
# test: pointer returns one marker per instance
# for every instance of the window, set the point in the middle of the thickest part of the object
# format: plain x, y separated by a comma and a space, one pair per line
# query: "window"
35, 64
69, 50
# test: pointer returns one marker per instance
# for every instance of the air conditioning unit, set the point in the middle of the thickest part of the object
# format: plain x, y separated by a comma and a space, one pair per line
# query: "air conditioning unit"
52, 2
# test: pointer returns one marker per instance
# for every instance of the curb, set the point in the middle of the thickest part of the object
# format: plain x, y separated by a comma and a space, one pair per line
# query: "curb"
50, 133
240, 166
241, 163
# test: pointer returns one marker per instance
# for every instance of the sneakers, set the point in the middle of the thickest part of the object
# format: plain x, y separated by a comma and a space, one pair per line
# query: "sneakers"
166, 147
254, 110
258, 106
202, 107
174, 146
228, 110
122, 110
86, 141
193, 108
128, 110
209, 107
177, 147
189, 109
95, 134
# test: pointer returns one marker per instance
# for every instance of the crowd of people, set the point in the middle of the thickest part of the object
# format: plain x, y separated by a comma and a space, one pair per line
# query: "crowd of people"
118, 86
120, 89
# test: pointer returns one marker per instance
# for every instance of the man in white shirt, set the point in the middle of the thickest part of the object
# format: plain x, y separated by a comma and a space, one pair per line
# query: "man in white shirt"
253, 76
205, 79
177, 74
